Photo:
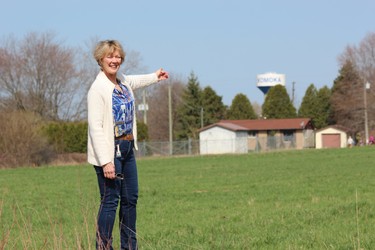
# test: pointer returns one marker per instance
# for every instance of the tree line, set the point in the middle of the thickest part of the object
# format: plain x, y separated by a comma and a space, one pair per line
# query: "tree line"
42, 78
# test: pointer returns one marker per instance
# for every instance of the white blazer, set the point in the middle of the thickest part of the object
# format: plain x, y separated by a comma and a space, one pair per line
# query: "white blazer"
101, 141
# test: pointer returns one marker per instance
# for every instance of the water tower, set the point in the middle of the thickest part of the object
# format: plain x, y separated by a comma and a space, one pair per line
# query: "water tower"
268, 80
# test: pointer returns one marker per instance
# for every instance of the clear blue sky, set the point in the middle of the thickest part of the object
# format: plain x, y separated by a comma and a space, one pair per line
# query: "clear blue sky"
226, 43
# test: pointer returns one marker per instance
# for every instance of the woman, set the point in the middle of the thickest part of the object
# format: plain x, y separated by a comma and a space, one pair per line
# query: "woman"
112, 135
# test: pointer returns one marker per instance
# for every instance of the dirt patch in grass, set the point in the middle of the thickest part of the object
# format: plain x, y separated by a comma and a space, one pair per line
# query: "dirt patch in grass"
70, 159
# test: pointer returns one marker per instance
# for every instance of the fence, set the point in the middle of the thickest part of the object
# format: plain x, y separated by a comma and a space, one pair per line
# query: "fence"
225, 146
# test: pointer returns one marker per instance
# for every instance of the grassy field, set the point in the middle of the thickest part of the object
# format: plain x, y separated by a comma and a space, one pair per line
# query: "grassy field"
309, 199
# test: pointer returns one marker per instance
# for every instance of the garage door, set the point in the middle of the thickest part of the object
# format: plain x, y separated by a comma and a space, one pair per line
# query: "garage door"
331, 140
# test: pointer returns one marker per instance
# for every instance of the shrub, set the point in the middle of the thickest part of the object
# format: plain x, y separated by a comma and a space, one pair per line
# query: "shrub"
21, 142
142, 131
67, 137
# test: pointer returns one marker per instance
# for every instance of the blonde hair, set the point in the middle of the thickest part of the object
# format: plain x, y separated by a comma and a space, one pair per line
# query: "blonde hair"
104, 48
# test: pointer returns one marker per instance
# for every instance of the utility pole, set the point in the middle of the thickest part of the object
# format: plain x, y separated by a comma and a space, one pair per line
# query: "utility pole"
201, 117
145, 107
170, 119
366, 86
293, 83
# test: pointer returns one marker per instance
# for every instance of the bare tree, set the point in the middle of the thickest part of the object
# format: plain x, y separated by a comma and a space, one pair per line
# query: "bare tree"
133, 63
158, 103
363, 59
257, 108
38, 74
11, 84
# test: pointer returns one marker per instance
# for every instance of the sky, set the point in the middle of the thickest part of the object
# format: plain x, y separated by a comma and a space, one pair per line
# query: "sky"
225, 43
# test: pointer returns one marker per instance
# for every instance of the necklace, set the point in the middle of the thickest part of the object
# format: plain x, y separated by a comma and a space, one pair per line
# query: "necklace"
117, 85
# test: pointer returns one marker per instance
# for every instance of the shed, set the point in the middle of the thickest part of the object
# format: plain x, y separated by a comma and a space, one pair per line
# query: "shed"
334, 136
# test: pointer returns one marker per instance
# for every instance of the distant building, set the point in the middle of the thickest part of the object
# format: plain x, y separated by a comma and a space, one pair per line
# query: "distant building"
334, 136
243, 136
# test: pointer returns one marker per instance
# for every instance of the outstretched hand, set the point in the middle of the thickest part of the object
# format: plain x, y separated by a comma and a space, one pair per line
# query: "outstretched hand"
161, 74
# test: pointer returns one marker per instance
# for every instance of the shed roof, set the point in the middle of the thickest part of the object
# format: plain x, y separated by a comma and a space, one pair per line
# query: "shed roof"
262, 124
338, 127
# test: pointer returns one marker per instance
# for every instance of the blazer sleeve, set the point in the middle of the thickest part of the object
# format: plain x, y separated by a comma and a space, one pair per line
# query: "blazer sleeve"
139, 81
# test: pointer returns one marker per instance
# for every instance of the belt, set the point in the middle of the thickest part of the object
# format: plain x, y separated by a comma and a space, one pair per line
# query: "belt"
128, 137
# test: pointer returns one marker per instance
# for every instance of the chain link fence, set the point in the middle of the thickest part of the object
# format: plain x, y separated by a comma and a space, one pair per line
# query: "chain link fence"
241, 145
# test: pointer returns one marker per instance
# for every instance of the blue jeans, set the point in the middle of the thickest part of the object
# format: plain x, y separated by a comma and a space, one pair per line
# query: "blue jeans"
113, 191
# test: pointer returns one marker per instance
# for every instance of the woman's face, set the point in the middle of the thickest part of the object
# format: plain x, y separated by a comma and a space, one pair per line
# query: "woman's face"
111, 63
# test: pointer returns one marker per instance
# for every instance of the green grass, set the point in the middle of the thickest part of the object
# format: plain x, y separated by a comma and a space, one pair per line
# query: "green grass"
307, 199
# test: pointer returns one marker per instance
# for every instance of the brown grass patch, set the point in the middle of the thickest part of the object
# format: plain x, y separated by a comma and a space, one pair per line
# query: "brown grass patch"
70, 159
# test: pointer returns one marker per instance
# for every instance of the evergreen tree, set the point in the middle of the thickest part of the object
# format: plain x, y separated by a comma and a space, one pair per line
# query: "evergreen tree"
347, 98
241, 109
315, 105
323, 108
189, 120
278, 104
308, 106
142, 131
213, 107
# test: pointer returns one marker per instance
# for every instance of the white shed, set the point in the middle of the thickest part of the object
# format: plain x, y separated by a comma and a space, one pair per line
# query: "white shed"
334, 136
221, 140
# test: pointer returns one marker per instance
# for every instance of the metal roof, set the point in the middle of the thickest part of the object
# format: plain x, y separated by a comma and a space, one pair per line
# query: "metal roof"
263, 124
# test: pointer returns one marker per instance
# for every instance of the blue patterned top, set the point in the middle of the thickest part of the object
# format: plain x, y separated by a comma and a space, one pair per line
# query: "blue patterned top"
123, 111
